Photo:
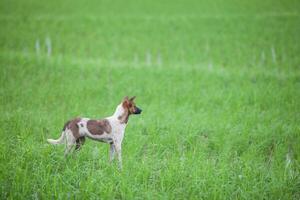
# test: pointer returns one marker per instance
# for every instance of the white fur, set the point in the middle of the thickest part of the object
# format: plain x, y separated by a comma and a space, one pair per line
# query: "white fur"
59, 140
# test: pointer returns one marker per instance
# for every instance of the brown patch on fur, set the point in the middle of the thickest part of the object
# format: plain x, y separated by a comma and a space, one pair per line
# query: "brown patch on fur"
132, 109
98, 127
66, 125
72, 125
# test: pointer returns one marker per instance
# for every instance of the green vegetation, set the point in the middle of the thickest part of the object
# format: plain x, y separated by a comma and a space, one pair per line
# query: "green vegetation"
218, 82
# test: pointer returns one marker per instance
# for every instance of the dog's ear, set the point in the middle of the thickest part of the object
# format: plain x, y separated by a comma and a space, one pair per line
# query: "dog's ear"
125, 98
126, 103
132, 98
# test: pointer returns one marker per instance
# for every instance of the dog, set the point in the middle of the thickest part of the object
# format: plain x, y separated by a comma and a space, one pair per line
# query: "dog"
109, 130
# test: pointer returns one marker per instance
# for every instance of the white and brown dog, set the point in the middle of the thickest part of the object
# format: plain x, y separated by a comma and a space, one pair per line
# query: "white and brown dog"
109, 130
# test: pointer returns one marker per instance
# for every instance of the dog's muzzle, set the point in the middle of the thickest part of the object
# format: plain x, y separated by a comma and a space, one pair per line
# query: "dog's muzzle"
137, 111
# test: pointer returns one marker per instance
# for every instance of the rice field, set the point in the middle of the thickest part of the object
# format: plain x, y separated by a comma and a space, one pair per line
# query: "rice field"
218, 82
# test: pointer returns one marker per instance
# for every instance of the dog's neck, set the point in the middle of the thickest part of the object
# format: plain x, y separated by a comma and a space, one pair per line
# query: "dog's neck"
121, 114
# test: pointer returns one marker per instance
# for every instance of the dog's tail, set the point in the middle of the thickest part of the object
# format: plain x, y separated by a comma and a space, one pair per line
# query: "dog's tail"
59, 140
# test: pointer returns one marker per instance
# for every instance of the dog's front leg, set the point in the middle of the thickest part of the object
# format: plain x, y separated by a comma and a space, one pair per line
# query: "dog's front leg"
119, 153
111, 152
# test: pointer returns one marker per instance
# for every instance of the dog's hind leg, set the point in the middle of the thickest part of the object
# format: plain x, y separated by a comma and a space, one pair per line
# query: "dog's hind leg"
70, 141
80, 141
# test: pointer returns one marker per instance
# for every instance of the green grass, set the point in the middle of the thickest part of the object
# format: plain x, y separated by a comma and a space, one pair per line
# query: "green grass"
218, 82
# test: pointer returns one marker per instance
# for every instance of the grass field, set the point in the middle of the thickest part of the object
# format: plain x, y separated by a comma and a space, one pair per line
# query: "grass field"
218, 82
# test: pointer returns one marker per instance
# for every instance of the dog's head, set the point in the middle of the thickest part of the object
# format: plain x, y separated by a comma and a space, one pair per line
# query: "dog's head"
129, 104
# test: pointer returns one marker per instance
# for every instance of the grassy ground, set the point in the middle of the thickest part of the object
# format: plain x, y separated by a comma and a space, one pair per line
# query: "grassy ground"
218, 82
